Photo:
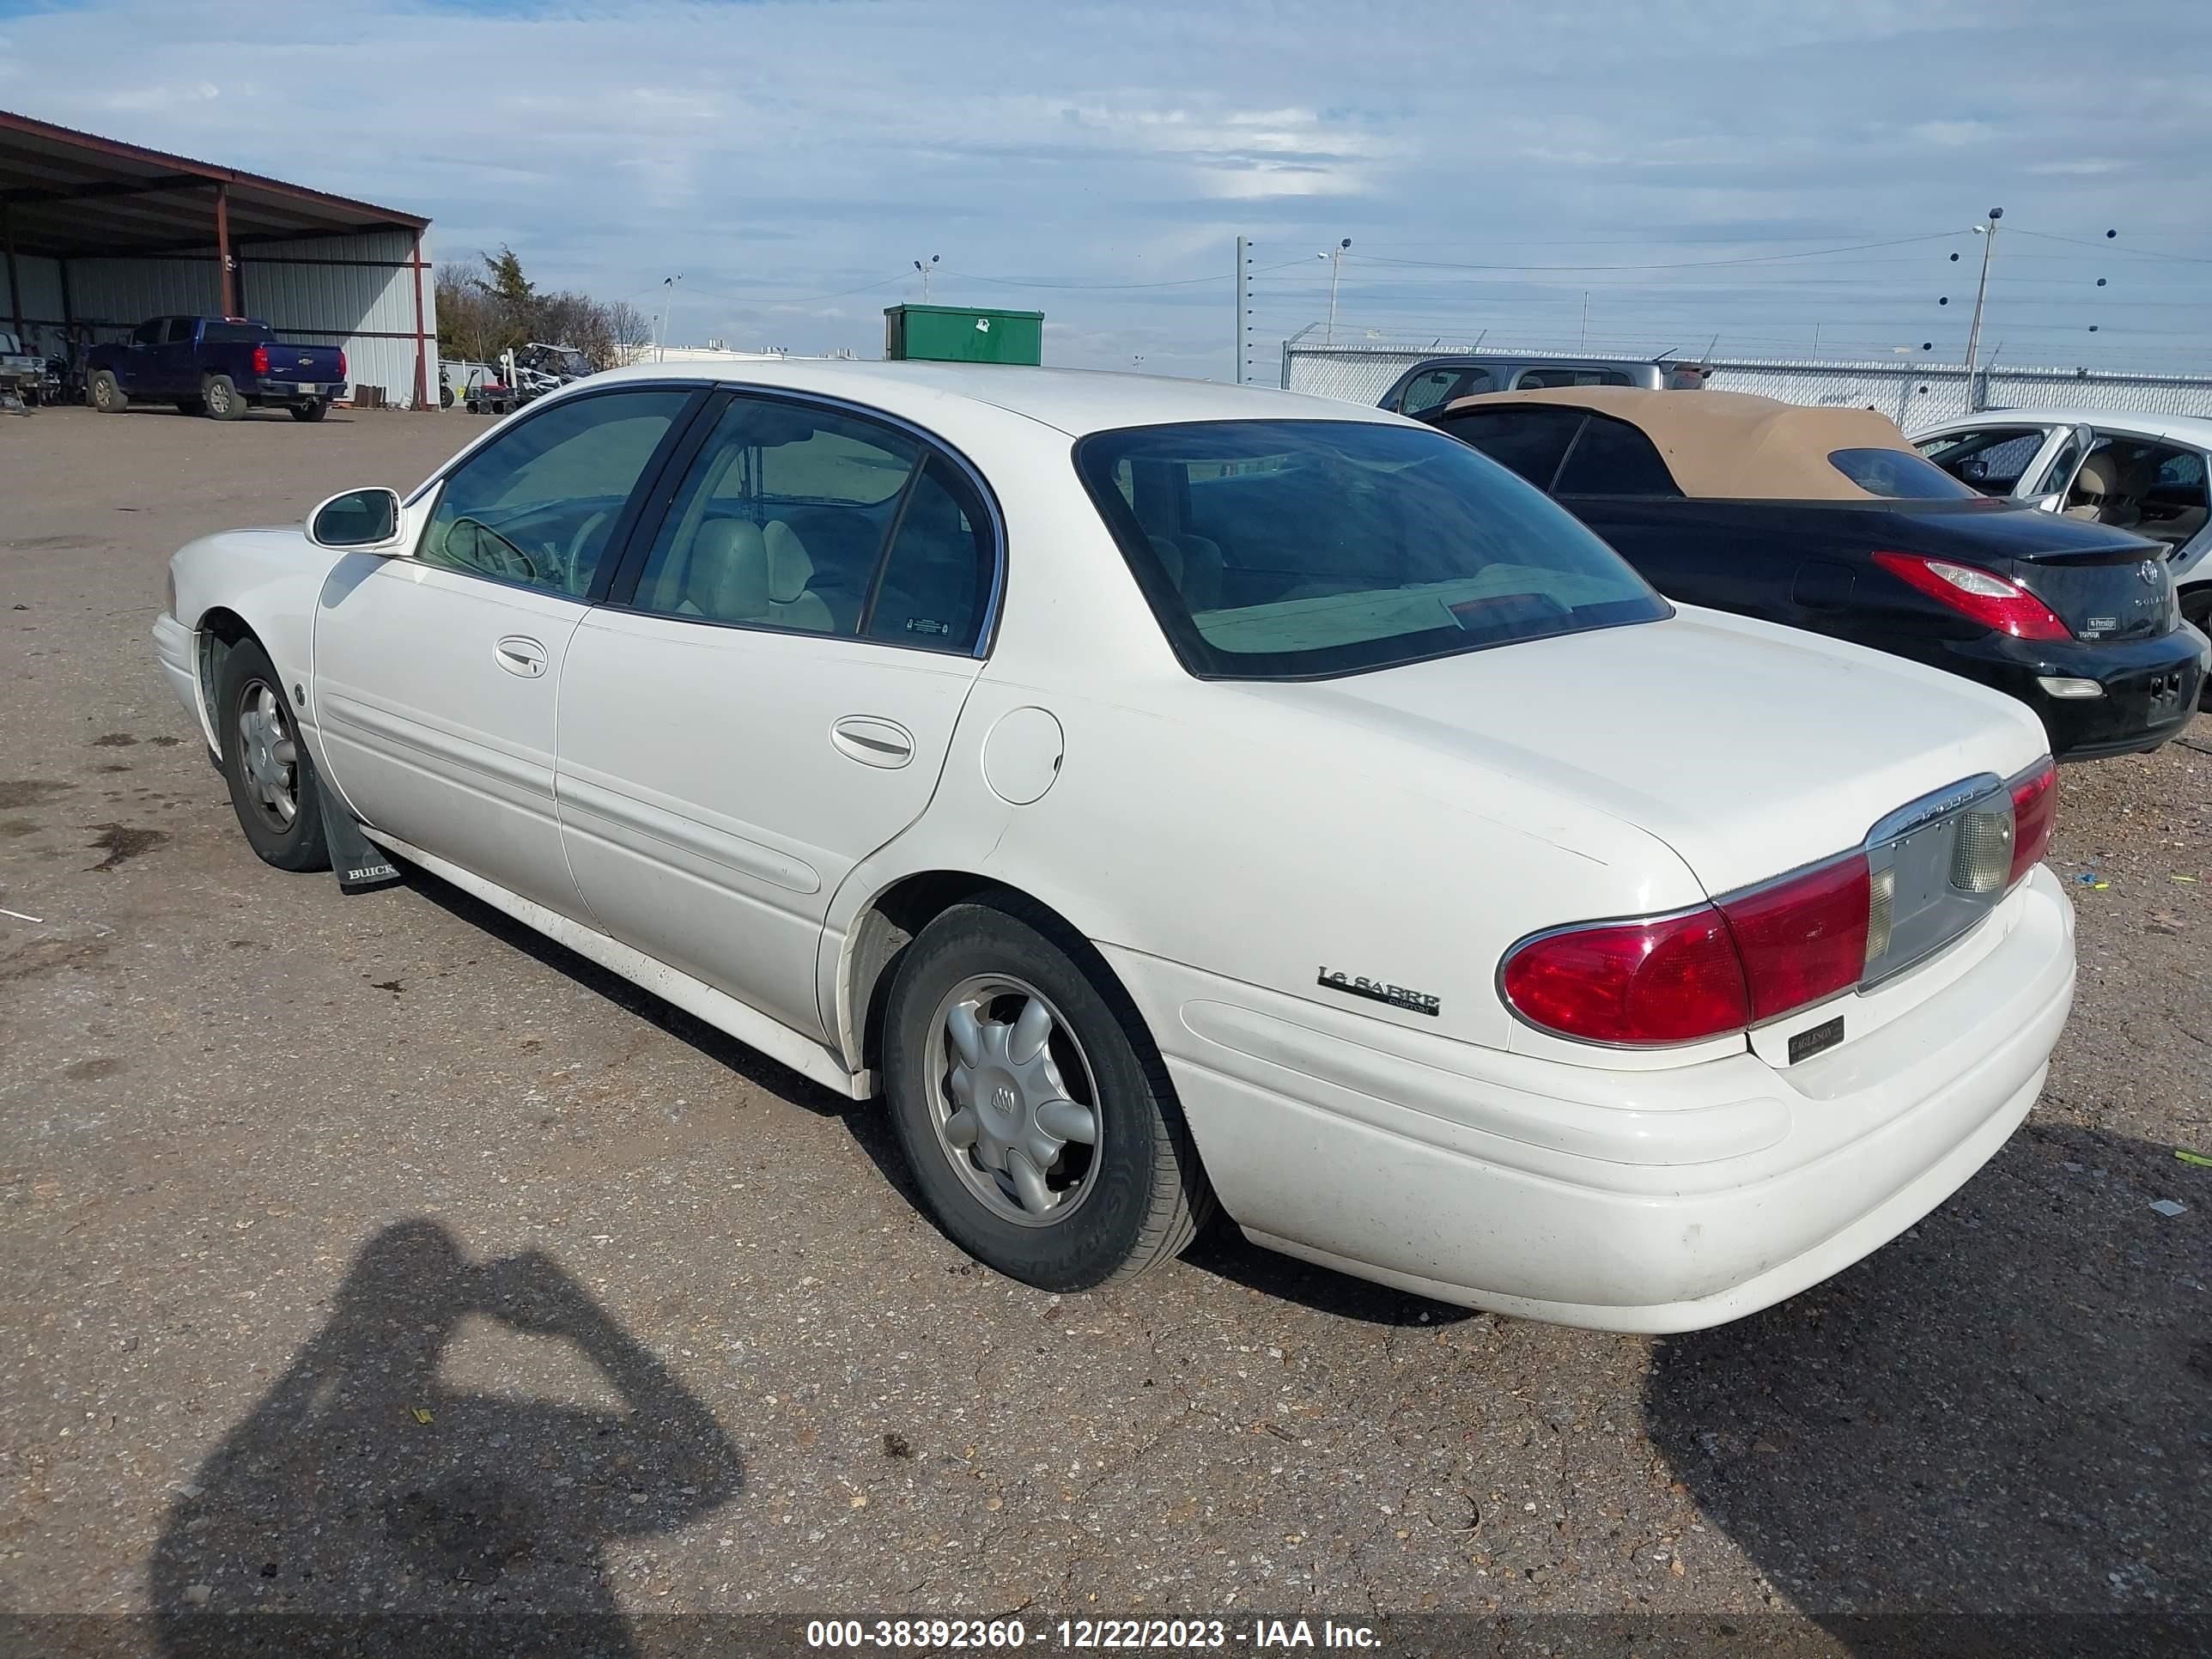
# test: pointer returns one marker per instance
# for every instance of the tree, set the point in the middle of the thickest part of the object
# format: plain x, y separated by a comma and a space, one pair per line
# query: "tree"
629, 329
504, 281
491, 306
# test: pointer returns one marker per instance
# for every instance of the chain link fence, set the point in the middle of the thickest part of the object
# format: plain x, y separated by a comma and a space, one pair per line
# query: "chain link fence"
1914, 395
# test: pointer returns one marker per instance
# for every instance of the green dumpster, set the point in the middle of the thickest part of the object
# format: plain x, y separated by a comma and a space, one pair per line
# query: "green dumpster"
957, 334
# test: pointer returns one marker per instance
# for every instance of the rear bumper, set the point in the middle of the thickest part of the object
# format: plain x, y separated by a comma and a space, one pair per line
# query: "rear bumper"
1631, 1201
273, 390
2150, 687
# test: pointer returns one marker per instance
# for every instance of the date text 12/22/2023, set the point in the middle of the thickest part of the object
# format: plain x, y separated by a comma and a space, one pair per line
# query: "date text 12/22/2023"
1008, 1635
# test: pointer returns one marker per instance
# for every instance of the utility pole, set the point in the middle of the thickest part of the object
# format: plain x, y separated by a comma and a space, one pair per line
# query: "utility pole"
1242, 297
1989, 234
924, 270
1335, 257
1585, 346
667, 305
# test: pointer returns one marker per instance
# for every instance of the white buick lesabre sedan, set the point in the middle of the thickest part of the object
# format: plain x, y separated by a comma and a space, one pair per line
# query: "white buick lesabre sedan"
1166, 795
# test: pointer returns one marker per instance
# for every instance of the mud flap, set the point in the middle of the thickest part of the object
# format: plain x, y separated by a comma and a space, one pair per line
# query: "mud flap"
360, 864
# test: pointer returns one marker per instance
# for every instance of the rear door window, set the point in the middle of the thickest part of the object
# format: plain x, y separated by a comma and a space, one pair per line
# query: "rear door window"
1899, 475
1532, 440
1612, 457
180, 331
148, 333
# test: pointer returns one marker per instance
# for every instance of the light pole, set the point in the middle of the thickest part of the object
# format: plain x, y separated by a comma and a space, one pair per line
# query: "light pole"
924, 270
1987, 233
1335, 257
667, 305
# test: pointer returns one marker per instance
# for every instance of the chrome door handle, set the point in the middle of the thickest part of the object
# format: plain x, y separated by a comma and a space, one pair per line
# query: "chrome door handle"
872, 742
521, 655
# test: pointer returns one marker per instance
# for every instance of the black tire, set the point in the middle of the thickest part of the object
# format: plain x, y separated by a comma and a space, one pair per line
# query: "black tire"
106, 393
1145, 1195
219, 395
294, 843
444, 396
191, 405
313, 411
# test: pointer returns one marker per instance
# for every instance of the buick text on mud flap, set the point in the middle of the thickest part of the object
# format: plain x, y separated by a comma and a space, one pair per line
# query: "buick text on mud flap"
1398, 996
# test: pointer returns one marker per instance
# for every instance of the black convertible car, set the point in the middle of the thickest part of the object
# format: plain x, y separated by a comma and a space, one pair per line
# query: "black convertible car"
1827, 519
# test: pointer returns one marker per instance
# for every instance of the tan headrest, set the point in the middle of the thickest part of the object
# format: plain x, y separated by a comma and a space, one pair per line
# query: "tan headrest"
2099, 476
789, 568
729, 571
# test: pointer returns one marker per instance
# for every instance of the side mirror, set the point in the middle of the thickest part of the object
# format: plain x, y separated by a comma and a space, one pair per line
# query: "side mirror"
365, 520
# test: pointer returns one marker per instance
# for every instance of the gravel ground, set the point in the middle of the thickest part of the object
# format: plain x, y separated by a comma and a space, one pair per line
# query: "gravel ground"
371, 1253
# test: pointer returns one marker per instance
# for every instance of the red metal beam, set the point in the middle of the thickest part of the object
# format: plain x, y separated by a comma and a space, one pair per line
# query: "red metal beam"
422, 358
15, 280
226, 278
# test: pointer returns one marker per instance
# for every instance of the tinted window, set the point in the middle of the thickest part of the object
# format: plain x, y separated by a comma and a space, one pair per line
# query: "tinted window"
1298, 549
1531, 441
232, 333
1531, 378
1990, 459
180, 331
1899, 475
1612, 457
781, 520
147, 333
1442, 385
936, 582
536, 505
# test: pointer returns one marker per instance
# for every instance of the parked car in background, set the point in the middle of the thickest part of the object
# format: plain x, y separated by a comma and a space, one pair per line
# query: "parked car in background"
217, 366
1429, 386
23, 373
1828, 519
2148, 474
1167, 792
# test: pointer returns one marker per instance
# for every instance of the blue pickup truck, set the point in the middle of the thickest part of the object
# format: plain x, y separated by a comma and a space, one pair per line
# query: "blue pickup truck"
217, 366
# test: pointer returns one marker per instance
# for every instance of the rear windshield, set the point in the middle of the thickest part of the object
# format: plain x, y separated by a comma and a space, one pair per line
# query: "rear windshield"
1899, 475
1296, 549
234, 333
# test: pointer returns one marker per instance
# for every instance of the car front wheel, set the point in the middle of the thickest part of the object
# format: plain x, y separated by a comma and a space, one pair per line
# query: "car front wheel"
272, 781
1036, 1113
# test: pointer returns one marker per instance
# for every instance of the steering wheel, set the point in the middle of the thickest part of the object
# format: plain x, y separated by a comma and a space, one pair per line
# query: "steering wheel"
577, 543
484, 549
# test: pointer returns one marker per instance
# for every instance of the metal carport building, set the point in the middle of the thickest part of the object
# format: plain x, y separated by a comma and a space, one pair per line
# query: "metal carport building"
98, 235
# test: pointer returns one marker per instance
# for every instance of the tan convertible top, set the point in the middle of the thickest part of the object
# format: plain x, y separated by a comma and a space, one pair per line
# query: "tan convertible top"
1731, 445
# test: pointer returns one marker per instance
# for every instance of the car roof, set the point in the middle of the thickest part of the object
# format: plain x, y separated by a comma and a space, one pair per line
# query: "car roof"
2180, 428
1733, 446
1073, 401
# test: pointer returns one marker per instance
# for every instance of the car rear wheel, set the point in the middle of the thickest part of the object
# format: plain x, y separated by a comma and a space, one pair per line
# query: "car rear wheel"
2197, 609
107, 393
273, 787
1035, 1110
313, 411
221, 395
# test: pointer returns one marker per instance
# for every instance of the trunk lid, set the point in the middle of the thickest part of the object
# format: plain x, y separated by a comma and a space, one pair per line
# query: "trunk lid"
2120, 592
1751, 750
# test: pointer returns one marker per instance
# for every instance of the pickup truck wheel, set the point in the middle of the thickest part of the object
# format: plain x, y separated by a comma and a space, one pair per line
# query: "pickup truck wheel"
107, 393
313, 411
1034, 1109
220, 394
273, 788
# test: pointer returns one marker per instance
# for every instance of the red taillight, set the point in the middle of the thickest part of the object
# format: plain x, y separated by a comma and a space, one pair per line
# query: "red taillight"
2034, 806
1804, 939
1675, 981
1986, 596
1714, 970
342, 369
261, 360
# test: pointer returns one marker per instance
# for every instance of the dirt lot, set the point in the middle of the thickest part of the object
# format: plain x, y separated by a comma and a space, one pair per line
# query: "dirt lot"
369, 1254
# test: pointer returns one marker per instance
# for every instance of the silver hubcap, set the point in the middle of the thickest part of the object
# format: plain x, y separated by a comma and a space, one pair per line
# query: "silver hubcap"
1014, 1099
271, 757
217, 399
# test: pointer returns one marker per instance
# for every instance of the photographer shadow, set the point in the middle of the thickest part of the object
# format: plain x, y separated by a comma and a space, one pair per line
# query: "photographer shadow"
367, 1505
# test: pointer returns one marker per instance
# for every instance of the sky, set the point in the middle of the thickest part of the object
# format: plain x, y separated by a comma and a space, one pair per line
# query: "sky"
1744, 179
